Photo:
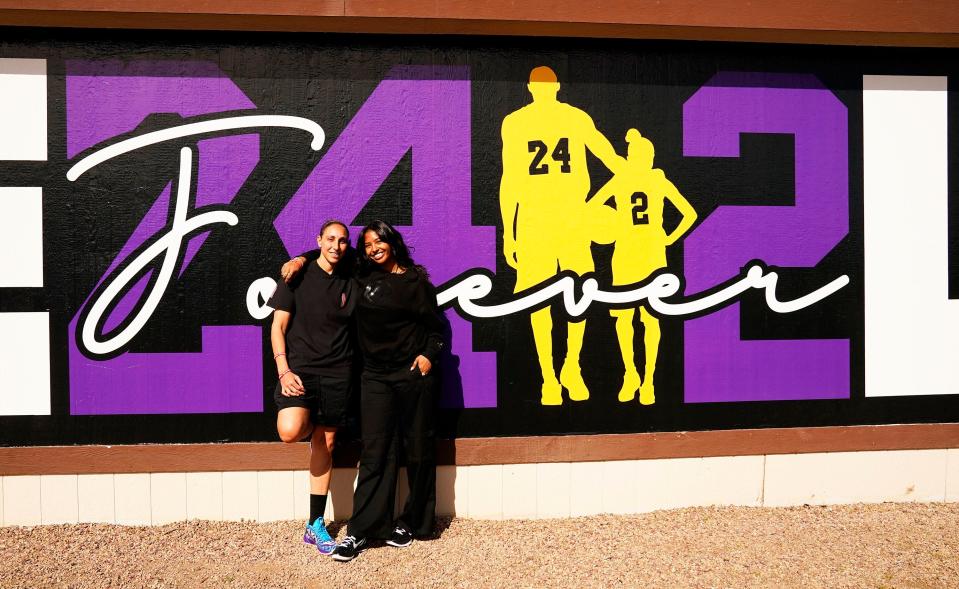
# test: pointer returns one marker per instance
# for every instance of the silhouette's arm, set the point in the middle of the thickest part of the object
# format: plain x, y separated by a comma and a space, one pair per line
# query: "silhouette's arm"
602, 195
685, 209
599, 146
509, 190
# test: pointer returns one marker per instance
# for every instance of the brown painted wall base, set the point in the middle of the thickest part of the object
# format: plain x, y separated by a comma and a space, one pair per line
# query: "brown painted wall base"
36, 460
917, 23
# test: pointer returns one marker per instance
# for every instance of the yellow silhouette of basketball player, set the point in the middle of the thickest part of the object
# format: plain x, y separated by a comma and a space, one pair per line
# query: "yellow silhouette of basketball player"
543, 203
640, 192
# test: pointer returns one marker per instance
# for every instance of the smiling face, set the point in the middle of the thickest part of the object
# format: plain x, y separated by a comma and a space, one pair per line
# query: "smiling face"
377, 250
333, 243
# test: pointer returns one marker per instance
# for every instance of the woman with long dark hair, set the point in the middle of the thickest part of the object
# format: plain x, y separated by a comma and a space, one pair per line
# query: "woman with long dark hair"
399, 329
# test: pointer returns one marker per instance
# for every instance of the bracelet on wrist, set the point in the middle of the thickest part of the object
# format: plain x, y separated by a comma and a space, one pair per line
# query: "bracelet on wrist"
284, 373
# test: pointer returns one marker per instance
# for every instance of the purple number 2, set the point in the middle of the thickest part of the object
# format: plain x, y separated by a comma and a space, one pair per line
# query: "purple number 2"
720, 366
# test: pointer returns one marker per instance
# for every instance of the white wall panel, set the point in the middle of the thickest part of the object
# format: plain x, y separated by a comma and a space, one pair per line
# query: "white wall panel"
21, 237
21, 501
452, 490
912, 328
486, 492
167, 497
952, 474
855, 477
521, 491
58, 499
95, 498
132, 499
240, 496
585, 496
24, 364
274, 490
23, 109
552, 489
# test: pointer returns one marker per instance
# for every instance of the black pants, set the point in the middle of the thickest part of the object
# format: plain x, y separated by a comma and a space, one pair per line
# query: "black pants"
397, 410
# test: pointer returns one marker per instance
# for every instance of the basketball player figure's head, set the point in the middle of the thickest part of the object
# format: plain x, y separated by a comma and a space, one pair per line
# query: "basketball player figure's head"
543, 84
640, 152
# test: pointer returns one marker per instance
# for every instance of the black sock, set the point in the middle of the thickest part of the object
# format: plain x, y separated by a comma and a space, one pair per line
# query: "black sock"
317, 506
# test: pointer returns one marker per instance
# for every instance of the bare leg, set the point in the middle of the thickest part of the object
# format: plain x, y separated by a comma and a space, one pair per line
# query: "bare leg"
651, 337
321, 459
625, 335
542, 324
293, 424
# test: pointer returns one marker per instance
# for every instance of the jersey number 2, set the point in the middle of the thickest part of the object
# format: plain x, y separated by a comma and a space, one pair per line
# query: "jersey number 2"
640, 202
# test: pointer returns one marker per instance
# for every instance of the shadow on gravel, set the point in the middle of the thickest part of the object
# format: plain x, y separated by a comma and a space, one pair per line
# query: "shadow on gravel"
442, 524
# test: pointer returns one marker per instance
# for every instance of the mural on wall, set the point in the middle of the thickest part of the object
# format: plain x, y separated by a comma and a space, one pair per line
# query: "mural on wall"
640, 194
635, 237
546, 225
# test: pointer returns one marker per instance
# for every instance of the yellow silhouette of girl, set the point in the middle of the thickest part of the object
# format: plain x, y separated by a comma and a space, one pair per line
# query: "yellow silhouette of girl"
640, 193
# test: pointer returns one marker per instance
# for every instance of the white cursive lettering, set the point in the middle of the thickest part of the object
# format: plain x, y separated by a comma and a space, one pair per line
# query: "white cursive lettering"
169, 247
257, 295
475, 287
179, 132
169, 244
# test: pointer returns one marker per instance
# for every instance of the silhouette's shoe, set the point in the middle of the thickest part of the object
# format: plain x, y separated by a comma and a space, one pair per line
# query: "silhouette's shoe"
573, 381
646, 395
631, 382
552, 393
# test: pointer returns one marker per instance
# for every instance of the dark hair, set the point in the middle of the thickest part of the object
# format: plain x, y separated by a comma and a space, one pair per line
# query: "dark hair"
330, 222
390, 235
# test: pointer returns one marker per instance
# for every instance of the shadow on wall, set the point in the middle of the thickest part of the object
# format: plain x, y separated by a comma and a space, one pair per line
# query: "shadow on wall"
346, 458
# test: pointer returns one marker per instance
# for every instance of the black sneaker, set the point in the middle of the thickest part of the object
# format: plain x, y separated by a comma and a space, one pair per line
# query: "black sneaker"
348, 549
401, 537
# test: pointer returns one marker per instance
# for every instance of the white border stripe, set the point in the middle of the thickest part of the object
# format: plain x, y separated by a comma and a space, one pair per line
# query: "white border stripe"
912, 328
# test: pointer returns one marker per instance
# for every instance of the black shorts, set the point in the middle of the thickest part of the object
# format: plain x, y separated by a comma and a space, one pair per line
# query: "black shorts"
327, 398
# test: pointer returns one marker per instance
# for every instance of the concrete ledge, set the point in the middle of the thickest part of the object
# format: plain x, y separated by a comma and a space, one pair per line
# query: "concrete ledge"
856, 477
491, 491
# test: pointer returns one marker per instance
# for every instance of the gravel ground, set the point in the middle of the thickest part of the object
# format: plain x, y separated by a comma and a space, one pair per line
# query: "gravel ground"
887, 545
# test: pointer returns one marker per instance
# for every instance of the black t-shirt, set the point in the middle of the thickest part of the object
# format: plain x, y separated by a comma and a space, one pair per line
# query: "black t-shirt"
318, 338
397, 319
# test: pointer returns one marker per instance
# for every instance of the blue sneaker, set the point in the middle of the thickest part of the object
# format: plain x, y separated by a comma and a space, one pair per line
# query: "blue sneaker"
317, 535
